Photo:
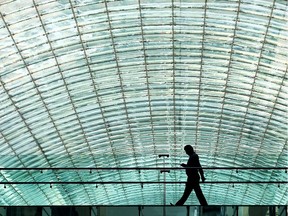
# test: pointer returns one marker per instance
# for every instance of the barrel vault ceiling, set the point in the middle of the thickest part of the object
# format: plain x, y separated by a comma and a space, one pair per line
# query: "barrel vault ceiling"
102, 83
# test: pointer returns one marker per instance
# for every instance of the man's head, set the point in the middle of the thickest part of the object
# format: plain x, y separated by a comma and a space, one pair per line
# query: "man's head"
189, 149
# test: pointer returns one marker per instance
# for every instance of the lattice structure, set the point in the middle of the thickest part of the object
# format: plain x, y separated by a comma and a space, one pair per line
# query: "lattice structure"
87, 83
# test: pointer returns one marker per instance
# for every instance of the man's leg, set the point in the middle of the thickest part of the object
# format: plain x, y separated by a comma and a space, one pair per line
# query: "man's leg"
187, 192
200, 195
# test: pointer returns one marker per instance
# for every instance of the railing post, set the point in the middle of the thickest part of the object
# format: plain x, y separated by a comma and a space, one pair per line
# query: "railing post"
164, 187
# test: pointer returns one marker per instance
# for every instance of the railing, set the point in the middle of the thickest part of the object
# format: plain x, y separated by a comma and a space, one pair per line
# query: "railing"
139, 169
144, 210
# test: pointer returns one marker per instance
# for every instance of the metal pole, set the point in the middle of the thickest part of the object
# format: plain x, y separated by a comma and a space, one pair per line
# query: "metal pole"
164, 190
136, 182
164, 197
138, 168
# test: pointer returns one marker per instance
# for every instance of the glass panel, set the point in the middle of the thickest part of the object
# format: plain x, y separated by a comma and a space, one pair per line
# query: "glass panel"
97, 84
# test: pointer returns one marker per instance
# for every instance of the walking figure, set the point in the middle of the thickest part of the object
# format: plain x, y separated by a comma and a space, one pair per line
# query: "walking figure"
192, 177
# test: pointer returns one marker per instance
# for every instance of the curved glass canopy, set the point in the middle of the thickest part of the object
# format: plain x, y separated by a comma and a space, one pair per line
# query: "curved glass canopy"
93, 84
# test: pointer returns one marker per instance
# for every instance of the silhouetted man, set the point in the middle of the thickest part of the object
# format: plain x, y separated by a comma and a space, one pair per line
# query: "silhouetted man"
193, 177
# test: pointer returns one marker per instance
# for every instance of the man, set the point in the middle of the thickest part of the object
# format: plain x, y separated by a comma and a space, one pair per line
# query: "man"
193, 178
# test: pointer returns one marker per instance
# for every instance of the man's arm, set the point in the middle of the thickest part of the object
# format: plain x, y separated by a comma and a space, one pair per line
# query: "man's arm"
183, 165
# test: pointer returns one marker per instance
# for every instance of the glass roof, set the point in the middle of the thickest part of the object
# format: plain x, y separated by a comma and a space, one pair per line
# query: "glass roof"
96, 84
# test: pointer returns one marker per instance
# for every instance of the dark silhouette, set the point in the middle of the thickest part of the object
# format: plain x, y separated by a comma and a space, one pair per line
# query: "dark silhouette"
38, 211
64, 210
192, 178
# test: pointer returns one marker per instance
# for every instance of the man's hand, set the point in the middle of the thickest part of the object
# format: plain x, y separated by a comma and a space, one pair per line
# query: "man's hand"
183, 165
203, 179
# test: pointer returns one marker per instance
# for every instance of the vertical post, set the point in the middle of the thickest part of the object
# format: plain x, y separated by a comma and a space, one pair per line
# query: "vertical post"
272, 211
237, 211
164, 189
164, 197
223, 210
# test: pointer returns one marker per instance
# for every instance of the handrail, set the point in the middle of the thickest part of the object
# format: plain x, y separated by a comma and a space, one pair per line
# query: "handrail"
140, 168
140, 183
